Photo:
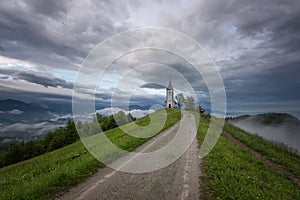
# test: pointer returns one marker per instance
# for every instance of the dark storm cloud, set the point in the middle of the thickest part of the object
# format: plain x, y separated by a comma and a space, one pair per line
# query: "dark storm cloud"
268, 30
18, 94
23, 28
153, 86
216, 22
256, 44
50, 8
4, 77
45, 81
280, 83
2, 48
54, 33
162, 66
36, 78
104, 96
267, 71
279, 26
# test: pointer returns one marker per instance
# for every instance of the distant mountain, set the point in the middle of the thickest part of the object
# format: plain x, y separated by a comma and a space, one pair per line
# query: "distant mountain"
18, 111
11, 104
28, 121
58, 107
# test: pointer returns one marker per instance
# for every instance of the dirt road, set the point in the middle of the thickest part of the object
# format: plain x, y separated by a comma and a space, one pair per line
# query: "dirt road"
180, 180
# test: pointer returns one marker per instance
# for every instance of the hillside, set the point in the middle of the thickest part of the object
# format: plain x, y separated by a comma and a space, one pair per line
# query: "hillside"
52, 172
245, 166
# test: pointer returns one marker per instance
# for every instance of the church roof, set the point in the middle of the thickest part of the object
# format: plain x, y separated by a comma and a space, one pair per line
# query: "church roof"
170, 85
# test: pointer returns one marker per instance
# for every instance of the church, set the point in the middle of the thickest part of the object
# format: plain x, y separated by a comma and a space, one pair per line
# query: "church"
170, 103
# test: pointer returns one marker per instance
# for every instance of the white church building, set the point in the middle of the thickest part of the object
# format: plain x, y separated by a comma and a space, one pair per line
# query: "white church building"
170, 103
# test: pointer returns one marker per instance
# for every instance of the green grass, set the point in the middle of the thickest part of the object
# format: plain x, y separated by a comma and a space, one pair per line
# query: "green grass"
277, 153
45, 175
233, 173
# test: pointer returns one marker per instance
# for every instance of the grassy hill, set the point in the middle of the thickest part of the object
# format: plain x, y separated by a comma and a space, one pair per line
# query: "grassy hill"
45, 175
231, 171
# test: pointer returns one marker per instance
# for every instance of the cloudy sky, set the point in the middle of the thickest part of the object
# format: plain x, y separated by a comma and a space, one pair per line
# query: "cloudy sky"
254, 44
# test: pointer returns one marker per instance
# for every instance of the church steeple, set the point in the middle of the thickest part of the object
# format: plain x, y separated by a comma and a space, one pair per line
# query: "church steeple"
170, 103
170, 85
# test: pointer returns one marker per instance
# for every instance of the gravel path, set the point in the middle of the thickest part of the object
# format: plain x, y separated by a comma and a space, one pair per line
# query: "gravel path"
180, 180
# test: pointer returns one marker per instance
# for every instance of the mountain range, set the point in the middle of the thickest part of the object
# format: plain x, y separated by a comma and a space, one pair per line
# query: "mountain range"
29, 121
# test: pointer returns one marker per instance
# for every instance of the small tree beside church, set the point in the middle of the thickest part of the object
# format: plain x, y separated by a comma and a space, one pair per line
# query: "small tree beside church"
180, 100
188, 103
201, 110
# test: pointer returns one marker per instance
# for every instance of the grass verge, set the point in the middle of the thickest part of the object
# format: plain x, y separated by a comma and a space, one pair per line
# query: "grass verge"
233, 173
275, 152
45, 175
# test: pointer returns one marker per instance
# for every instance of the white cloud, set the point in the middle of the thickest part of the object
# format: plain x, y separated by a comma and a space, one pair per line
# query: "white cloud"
31, 129
137, 113
63, 117
15, 112
6, 61
6, 140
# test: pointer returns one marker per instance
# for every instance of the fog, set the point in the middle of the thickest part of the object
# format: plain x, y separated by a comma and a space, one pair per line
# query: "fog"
284, 133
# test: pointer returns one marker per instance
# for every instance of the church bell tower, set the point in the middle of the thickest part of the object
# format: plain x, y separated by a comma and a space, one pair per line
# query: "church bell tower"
170, 103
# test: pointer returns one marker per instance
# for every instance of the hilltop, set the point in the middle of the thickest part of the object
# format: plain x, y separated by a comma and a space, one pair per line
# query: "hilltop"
274, 119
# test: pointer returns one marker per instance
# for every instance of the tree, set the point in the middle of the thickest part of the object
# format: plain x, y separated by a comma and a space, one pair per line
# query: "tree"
190, 103
180, 100
57, 140
99, 117
201, 110
130, 118
111, 123
94, 127
15, 153
121, 118
71, 132
2, 158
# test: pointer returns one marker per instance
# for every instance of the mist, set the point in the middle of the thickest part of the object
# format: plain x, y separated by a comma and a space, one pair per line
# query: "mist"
287, 133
